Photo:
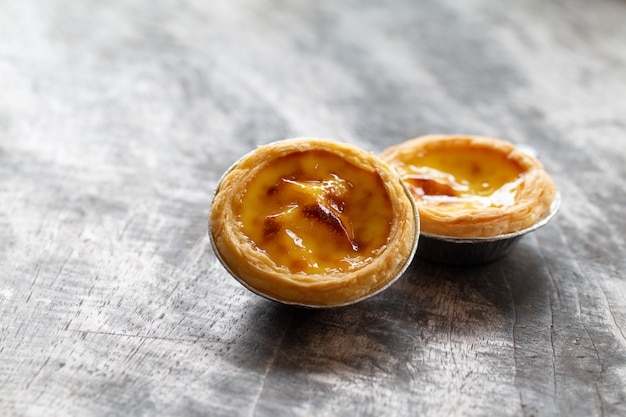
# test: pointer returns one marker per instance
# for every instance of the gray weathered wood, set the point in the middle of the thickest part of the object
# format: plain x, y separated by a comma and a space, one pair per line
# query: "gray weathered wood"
117, 119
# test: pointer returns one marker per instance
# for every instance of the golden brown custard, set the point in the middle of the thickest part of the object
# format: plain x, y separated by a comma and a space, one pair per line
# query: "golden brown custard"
314, 212
313, 222
472, 186
463, 178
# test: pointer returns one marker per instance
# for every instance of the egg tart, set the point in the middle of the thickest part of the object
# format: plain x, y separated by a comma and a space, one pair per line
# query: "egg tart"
313, 222
472, 186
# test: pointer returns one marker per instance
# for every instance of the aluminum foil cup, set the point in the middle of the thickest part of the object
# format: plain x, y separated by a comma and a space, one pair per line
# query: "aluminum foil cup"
476, 251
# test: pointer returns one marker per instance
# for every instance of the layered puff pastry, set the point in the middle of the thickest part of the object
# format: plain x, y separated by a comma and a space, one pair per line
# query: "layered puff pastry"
313, 222
472, 186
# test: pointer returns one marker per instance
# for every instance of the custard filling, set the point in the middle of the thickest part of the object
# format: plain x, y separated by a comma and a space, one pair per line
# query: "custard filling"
462, 178
314, 212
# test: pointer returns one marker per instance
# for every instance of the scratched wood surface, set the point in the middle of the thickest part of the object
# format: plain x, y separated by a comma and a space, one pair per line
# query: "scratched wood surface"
117, 119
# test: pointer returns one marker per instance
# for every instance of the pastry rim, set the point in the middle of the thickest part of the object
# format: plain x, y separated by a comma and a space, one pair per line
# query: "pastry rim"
260, 275
534, 204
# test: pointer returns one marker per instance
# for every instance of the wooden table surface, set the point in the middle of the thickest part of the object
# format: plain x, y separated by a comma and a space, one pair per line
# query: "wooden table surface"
117, 119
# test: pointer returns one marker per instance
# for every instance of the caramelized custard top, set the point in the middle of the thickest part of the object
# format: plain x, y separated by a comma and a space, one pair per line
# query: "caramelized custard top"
462, 178
314, 212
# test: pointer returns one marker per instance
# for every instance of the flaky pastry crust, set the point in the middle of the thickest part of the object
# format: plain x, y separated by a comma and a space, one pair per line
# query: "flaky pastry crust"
533, 190
257, 270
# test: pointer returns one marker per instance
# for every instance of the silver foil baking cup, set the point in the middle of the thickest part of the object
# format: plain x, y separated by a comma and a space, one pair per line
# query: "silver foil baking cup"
476, 251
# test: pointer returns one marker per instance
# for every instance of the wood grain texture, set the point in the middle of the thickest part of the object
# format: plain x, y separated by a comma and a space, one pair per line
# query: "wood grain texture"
118, 118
